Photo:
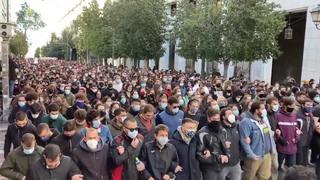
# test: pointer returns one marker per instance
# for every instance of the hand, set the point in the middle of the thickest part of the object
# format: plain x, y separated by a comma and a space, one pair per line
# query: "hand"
166, 177
278, 132
256, 158
272, 133
224, 159
151, 178
77, 177
298, 132
23, 178
228, 144
120, 150
178, 169
207, 153
135, 142
140, 167
247, 140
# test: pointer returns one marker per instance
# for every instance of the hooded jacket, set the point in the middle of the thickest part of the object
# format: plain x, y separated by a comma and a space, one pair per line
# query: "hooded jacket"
114, 128
54, 123
92, 163
42, 143
67, 143
17, 162
232, 100
148, 135
306, 125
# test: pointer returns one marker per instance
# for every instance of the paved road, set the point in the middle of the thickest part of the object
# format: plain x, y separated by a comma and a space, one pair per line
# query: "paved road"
3, 127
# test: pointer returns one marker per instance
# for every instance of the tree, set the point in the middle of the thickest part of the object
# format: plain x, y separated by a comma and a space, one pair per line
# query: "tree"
56, 47
19, 44
37, 53
28, 19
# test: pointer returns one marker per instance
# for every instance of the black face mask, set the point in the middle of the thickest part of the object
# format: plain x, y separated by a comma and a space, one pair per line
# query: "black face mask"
102, 114
215, 126
290, 110
218, 85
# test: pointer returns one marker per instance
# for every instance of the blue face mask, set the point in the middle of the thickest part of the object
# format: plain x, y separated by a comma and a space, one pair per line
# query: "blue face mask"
235, 112
45, 139
80, 104
143, 85
135, 96
123, 100
28, 151
308, 109
163, 105
96, 124
133, 134
216, 107
190, 133
136, 108
21, 104
181, 102
275, 108
317, 99
175, 110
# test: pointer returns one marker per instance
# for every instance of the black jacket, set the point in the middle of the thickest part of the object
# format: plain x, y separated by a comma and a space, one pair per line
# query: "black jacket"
12, 115
14, 134
187, 157
44, 143
66, 169
159, 162
148, 135
272, 119
125, 163
71, 110
93, 164
66, 143
213, 142
305, 123
233, 136
36, 121
12, 70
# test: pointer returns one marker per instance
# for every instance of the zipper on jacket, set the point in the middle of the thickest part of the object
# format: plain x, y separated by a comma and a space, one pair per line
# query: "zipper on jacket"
70, 144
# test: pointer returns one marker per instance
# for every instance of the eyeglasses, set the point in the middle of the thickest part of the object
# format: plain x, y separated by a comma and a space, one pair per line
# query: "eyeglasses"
175, 107
132, 129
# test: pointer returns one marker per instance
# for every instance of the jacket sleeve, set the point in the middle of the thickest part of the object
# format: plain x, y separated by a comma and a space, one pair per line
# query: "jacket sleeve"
12, 116
158, 120
244, 129
174, 161
74, 156
31, 175
201, 148
144, 158
7, 166
116, 157
7, 142
109, 135
73, 169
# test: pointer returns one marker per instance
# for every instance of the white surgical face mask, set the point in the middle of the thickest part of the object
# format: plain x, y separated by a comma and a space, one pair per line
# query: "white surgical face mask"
92, 143
35, 116
123, 118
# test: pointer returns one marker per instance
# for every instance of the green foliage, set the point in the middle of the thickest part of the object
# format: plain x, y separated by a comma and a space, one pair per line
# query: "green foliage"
28, 19
19, 44
37, 52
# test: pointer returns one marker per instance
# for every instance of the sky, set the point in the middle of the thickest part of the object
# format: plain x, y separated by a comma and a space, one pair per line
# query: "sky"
51, 12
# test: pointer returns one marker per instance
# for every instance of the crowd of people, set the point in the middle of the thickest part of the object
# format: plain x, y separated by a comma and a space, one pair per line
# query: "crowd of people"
72, 121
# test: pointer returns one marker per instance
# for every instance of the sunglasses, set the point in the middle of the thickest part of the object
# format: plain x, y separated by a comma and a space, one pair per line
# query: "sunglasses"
175, 107
132, 129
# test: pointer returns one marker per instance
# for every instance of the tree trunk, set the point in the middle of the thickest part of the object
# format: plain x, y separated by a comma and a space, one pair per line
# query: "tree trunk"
235, 69
203, 66
147, 63
250, 63
226, 63
189, 66
156, 63
135, 63
171, 56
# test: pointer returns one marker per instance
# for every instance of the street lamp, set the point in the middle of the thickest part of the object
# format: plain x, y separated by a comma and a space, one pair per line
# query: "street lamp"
66, 45
315, 15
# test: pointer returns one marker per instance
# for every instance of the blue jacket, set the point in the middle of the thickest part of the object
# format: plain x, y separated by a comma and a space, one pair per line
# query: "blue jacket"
249, 127
104, 133
173, 121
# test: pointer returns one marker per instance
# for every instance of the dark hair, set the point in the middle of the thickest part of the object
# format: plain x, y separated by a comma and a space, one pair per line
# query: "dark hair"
271, 99
31, 96
255, 106
52, 151
80, 114
148, 108
161, 127
21, 116
35, 108
224, 110
27, 139
299, 173
92, 115
212, 112
306, 100
124, 123
287, 101
173, 100
187, 120
118, 111
69, 126
41, 127
53, 107
300, 93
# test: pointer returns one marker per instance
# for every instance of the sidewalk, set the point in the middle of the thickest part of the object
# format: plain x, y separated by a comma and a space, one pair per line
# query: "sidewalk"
3, 126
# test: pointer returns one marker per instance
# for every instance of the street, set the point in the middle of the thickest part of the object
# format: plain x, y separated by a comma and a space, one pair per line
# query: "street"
3, 128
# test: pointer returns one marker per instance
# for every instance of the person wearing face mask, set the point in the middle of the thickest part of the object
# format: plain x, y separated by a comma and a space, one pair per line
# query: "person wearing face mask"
124, 150
80, 119
70, 98
146, 122
259, 94
92, 152
160, 152
30, 98
45, 134
236, 99
92, 92
115, 126
172, 116
306, 126
212, 154
256, 138
54, 119
135, 108
93, 121
117, 84
184, 141
35, 114
79, 104
68, 139
290, 132
53, 165
15, 132
232, 169
162, 104
16, 108
17, 163
110, 90
193, 108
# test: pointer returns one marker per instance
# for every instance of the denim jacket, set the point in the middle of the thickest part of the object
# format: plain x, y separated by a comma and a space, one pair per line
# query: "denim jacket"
249, 127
